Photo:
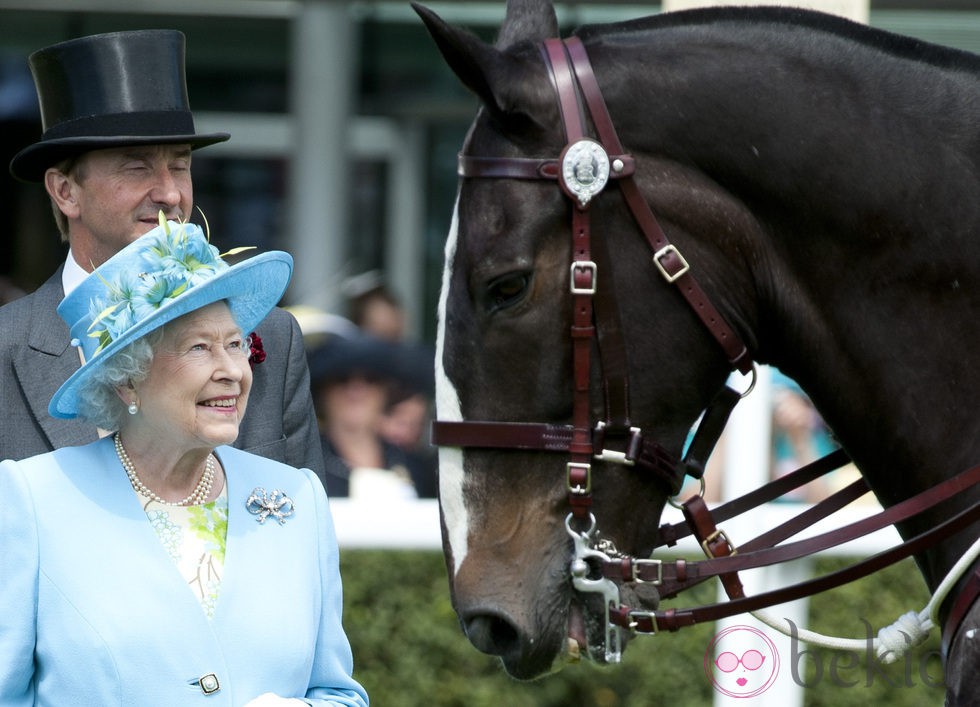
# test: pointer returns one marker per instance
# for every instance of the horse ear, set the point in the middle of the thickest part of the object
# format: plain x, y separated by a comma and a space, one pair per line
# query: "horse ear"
497, 77
527, 20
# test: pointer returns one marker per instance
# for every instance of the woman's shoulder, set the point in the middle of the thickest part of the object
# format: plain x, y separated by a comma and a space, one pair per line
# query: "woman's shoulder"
60, 474
263, 470
59, 458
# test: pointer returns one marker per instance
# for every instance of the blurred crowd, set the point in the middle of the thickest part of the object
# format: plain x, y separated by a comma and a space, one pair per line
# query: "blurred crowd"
372, 391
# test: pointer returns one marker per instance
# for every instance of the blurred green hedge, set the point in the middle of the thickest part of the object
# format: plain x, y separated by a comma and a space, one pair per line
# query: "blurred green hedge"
409, 650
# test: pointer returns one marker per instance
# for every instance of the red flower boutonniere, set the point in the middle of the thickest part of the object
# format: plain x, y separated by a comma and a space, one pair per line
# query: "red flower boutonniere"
257, 354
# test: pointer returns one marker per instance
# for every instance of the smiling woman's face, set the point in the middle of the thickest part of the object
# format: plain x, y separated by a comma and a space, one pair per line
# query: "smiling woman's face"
197, 389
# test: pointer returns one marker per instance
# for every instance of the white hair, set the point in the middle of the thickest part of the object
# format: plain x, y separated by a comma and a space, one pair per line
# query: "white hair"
98, 401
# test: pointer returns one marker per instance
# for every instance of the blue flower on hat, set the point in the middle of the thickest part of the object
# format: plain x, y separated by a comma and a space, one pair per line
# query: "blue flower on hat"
183, 260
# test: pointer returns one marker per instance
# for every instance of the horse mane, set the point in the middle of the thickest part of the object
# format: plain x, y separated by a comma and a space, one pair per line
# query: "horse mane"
881, 40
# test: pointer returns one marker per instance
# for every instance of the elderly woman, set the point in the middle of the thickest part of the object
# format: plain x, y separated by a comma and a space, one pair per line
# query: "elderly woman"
159, 566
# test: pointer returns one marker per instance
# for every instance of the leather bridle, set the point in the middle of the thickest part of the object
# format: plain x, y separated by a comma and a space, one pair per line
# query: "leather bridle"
615, 438
582, 172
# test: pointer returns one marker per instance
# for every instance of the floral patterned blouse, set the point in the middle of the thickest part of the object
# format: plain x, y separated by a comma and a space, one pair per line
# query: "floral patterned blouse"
194, 537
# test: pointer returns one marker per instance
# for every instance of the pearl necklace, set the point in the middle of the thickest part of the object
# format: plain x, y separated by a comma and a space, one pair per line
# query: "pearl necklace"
198, 496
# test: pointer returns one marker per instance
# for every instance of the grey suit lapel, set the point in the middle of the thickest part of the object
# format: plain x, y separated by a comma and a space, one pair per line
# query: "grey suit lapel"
46, 362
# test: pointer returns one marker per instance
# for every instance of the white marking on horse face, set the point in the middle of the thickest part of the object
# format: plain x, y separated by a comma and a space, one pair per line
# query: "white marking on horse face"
447, 406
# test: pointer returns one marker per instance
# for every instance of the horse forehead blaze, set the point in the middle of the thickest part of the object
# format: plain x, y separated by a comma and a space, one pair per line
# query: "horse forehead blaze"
451, 502
470, 490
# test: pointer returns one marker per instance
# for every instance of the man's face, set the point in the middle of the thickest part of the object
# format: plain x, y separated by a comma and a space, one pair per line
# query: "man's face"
117, 194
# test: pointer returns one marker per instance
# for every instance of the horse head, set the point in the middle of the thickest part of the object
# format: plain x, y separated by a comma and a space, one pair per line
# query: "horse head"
505, 354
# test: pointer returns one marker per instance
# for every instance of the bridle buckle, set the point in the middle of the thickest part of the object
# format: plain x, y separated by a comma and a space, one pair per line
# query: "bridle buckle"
634, 614
579, 478
658, 260
636, 564
592, 269
719, 534
626, 458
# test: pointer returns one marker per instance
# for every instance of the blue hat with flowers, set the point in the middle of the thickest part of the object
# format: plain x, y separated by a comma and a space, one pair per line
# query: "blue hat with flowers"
164, 274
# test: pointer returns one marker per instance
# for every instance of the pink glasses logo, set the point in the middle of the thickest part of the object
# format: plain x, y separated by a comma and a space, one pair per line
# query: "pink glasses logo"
751, 660
741, 662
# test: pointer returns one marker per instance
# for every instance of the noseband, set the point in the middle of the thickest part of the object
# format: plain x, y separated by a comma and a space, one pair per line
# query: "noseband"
582, 171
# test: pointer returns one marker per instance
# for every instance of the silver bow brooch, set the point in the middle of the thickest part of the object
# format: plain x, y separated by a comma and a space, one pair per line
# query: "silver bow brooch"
263, 505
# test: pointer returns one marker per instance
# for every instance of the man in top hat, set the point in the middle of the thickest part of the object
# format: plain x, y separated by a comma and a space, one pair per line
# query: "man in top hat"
116, 148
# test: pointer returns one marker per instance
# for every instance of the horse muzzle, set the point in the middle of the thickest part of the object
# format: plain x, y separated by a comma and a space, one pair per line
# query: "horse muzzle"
517, 610
568, 618
524, 654
527, 654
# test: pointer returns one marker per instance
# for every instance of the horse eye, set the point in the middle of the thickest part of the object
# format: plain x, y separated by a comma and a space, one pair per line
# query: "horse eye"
506, 291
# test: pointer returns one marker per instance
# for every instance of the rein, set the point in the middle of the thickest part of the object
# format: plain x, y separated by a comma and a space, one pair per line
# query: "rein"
583, 170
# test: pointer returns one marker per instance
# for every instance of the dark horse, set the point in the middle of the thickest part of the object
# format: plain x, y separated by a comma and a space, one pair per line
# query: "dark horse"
821, 179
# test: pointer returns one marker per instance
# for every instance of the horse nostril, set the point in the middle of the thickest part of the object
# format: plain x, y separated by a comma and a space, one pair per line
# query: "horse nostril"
492, 634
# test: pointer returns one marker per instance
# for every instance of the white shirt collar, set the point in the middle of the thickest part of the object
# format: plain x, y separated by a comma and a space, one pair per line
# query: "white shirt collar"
72, 275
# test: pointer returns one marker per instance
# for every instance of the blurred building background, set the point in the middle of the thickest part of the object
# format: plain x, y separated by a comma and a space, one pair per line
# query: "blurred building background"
345, 126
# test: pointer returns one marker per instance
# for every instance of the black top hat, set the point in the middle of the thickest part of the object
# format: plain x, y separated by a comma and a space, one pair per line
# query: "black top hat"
109, 90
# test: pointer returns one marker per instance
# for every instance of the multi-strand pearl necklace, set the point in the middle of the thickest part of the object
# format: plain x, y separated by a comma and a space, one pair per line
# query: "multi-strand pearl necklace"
198, 496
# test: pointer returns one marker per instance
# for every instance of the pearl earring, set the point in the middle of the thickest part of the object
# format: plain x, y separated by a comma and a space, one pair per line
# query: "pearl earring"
133, 408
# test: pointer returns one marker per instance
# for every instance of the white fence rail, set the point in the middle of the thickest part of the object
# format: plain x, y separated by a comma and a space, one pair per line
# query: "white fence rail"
414, 525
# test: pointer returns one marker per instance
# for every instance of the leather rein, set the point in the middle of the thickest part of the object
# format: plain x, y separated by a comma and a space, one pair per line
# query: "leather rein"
582, 170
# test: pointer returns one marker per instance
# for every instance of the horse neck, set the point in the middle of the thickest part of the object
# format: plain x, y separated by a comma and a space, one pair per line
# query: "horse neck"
853, 193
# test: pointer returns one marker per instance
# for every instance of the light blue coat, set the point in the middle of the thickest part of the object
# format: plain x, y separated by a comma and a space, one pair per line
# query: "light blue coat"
94, 612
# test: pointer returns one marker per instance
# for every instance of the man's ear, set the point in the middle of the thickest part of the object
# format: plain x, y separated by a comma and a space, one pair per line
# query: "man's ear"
61, 189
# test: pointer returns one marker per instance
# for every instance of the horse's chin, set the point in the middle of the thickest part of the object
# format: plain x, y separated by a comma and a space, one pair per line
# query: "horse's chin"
583, 638
586, 636
587, 628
